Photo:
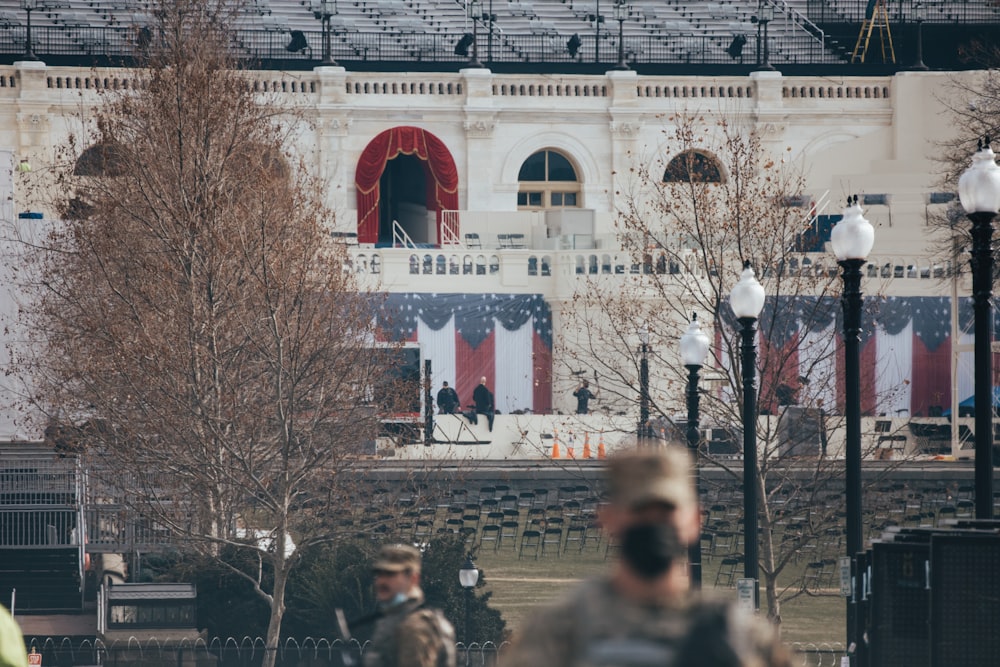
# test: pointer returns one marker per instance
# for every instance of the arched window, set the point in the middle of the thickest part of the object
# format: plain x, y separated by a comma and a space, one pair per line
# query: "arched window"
693, 167
547, 180
101, 159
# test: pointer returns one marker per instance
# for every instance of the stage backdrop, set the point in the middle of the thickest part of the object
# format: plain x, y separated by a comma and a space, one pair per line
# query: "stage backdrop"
505, 337
905, 353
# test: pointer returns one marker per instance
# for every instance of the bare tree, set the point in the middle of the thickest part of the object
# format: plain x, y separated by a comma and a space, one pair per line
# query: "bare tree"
973, 103
709, 196
195, 332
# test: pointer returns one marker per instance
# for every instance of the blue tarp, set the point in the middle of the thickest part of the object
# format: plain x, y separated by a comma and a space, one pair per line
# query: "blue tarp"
970, 403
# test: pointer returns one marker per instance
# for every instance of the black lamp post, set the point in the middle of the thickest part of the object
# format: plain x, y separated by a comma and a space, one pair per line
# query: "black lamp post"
642, 431
852, 239
468, 577
621, 13
597, 20
920, 11
492, 18
979, 191
747, 300
28, 6
472, 10
765, 14
694, 350
324, 12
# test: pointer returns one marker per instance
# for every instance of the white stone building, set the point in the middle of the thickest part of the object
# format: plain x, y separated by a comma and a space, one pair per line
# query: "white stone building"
450, 212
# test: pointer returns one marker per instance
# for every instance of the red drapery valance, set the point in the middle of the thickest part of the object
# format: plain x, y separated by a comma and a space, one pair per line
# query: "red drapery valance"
442, 184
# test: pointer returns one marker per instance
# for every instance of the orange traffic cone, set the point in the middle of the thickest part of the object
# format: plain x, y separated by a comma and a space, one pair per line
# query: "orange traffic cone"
601, 453
555, 444
571, 447
586, 445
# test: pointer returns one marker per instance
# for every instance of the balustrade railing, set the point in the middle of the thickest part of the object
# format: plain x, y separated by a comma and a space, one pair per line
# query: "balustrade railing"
38, 528
390, 263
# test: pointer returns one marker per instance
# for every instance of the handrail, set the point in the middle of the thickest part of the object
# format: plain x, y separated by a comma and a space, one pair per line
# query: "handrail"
801, 20
450, 228
399, 236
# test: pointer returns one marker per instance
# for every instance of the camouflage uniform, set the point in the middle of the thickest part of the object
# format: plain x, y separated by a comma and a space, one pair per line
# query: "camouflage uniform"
409, 635
596, 627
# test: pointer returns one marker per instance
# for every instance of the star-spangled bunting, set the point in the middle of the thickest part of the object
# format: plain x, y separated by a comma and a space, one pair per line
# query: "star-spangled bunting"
475, 315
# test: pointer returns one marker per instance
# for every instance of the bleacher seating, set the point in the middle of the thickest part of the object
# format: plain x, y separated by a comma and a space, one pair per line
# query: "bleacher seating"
647, 31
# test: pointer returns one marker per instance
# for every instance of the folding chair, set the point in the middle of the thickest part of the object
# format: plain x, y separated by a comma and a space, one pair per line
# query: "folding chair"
508, 534
575, 534
530, 539
489, 533
552, 540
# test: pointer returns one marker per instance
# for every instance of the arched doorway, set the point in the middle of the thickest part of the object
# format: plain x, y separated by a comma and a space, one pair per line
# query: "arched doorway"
404, 174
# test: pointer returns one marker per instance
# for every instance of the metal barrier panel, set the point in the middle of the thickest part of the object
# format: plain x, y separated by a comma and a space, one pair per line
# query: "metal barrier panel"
899, 605
965, 600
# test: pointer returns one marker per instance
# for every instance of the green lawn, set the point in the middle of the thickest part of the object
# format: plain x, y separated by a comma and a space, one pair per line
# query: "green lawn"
520, 584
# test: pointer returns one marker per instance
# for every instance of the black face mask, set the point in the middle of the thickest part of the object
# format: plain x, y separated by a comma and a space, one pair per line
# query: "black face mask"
650, 548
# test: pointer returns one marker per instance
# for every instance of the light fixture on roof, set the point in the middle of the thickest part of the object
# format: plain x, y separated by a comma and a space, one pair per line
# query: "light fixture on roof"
622, 11
473, 11
29, 6
298, 43
324, 10
765, 14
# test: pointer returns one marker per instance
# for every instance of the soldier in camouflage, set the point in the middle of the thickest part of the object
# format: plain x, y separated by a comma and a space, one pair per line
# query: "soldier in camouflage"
643, 613
407, 633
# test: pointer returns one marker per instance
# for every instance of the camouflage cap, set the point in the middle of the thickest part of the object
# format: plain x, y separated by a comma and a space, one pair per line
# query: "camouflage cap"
651, 474
397, 558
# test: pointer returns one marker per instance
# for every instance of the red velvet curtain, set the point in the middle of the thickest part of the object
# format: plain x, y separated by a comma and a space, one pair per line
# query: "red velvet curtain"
442, 184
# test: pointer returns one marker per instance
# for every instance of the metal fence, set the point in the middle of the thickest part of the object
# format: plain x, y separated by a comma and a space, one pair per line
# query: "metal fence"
262, 46
309, 652
38, 527
228, 652
905, 11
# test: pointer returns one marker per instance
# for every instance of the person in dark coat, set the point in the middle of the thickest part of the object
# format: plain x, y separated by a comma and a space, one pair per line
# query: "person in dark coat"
483, 398
583, 396
447, 399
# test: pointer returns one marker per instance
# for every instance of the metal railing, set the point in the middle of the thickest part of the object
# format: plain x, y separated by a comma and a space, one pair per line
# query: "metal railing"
116, 45
32, 528
904, 11
116, 529
231, 652
39, 481
318, 652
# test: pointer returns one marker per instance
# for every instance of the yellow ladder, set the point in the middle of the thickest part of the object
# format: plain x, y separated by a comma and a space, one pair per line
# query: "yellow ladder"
875, 17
